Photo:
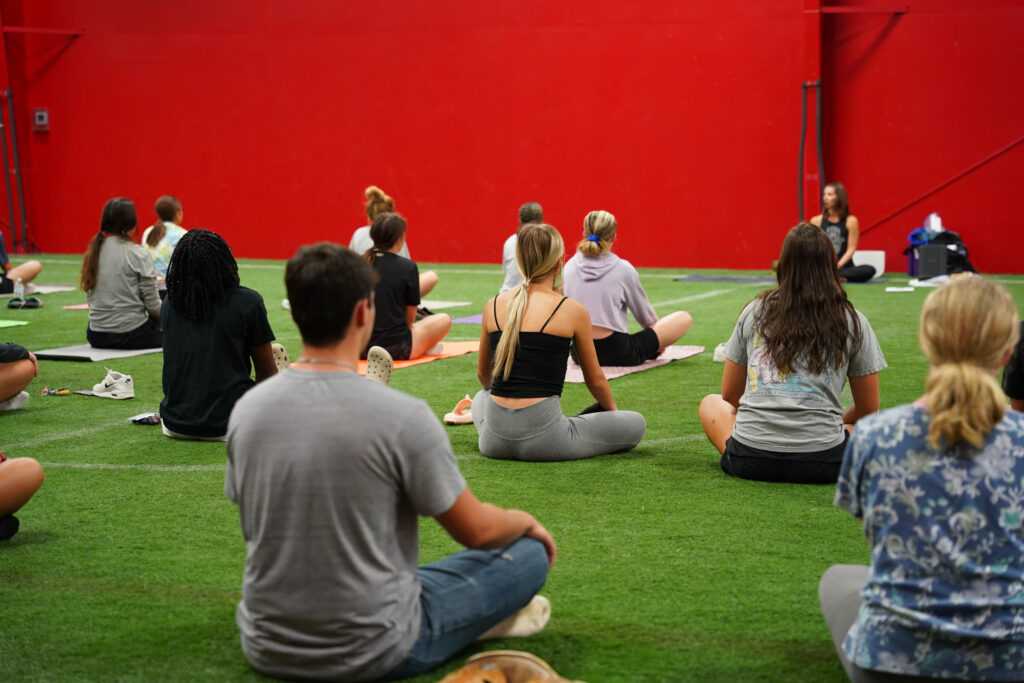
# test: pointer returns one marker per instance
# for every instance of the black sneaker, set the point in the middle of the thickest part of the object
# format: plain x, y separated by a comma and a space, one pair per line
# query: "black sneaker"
422, 312
8, 527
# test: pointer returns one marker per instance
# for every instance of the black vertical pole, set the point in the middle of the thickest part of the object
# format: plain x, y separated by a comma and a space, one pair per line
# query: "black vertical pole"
821, 153
800, 165
17, 170
7, 178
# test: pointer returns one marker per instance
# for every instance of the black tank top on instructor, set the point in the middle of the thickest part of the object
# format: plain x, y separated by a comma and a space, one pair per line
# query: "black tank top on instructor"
837, 232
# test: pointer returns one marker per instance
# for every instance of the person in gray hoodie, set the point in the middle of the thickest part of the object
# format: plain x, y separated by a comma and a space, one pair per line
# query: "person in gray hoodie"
608, 285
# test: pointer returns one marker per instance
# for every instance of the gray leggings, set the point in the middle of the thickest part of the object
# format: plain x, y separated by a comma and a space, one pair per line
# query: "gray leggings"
542, 433
839, 594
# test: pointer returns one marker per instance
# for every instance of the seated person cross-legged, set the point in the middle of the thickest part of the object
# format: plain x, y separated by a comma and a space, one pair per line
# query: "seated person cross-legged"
119, 280
397, 297
779, 416
331, 472
378, 203
938, 487
215, 333
524, 346
608, 285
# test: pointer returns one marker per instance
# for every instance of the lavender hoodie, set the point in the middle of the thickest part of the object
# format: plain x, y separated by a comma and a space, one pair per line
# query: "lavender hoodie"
607, 286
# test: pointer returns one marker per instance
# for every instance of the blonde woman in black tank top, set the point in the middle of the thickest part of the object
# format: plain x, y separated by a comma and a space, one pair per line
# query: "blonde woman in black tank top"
524, 345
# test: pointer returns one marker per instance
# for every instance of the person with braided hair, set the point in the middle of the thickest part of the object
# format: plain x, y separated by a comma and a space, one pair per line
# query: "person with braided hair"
215, 333
119, 281
938, 487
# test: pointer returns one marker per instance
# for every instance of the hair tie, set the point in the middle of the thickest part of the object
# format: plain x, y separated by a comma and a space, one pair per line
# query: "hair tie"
592, 237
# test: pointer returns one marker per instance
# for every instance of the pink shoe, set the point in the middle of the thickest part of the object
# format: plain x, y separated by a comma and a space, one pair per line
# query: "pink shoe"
462, 413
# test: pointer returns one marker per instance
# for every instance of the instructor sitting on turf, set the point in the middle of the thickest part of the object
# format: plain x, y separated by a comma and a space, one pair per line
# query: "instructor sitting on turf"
330, 471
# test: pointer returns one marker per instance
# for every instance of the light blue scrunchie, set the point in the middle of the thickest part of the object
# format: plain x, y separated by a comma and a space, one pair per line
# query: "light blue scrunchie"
593, 238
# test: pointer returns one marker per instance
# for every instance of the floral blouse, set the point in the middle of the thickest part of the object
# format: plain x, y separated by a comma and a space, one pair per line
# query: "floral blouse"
945, 597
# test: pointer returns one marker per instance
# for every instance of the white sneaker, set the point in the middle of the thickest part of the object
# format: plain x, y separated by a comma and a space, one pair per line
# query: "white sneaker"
719, 356
115, 385
16, 402
280, 356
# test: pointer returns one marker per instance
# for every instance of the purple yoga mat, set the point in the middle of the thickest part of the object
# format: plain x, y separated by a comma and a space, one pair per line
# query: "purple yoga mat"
470, 319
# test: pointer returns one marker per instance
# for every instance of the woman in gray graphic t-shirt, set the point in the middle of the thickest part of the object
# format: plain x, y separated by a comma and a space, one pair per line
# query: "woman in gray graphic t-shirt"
779, 417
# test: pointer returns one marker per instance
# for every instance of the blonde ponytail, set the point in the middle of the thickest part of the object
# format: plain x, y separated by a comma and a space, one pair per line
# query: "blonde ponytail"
966, 328
965, 403
598, 232
539, 250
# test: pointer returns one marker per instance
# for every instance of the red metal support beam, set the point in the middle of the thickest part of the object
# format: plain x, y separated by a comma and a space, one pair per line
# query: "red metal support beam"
902, 9
45, 31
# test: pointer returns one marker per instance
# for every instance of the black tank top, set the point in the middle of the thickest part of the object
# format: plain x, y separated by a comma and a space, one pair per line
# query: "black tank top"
538, 368
837, 232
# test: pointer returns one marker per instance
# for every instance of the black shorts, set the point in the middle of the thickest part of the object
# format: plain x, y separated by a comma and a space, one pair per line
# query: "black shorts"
148, 335
620, 348
747, 462
399, 345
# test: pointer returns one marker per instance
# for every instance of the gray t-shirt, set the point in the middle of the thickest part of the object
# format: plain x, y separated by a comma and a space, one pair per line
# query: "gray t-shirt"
125, 293
330, 471
799, 412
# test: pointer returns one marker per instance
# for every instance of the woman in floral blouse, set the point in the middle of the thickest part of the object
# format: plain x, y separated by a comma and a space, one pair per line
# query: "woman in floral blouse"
939, 488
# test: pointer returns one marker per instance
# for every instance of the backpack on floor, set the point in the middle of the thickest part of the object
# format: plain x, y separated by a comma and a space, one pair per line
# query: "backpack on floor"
956, 258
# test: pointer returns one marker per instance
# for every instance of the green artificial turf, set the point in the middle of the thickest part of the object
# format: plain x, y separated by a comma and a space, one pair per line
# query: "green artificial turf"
129, 562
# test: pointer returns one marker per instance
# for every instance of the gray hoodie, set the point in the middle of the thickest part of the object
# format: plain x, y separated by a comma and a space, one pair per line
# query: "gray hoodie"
607, 285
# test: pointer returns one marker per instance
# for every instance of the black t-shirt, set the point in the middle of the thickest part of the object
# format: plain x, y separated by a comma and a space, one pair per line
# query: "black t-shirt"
398, 288
11, 353
207, 366
1013, 374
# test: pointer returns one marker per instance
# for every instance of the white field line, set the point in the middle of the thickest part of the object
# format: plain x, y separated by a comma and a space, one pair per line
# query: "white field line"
132, 466
63, 436
705, 295
497, 271
220, 468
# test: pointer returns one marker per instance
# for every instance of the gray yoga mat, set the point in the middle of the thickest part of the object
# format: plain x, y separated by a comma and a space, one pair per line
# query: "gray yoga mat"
84, 352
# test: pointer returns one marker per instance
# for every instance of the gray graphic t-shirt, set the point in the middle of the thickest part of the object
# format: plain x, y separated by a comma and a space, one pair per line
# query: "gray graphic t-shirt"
799, 412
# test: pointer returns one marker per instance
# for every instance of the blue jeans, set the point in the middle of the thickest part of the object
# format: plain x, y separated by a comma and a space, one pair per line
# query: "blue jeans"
467, 593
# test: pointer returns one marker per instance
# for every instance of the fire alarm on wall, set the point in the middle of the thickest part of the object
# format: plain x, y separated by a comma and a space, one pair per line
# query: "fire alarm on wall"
41, 119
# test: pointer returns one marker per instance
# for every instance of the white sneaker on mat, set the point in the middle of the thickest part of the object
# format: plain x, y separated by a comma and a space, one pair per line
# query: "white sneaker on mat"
379, 364
115, 385
280, 356
16, 402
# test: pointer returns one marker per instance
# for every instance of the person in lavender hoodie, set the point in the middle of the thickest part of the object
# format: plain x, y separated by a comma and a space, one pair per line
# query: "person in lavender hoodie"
607, 285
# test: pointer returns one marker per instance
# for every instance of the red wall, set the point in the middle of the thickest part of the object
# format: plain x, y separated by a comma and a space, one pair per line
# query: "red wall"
916, 101
268, 119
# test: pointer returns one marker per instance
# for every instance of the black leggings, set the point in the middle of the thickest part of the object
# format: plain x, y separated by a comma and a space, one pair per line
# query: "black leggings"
854, 273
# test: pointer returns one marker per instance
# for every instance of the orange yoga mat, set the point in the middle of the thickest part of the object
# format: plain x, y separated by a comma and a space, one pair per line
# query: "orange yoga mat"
449, 350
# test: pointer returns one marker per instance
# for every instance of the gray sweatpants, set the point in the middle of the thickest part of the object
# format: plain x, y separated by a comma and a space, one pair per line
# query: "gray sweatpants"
839, 594
542, 433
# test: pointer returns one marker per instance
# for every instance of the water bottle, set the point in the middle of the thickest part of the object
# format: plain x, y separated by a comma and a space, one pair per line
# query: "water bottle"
19, 288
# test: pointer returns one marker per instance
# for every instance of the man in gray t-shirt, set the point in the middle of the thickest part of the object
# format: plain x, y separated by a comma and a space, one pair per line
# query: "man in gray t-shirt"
330, 472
